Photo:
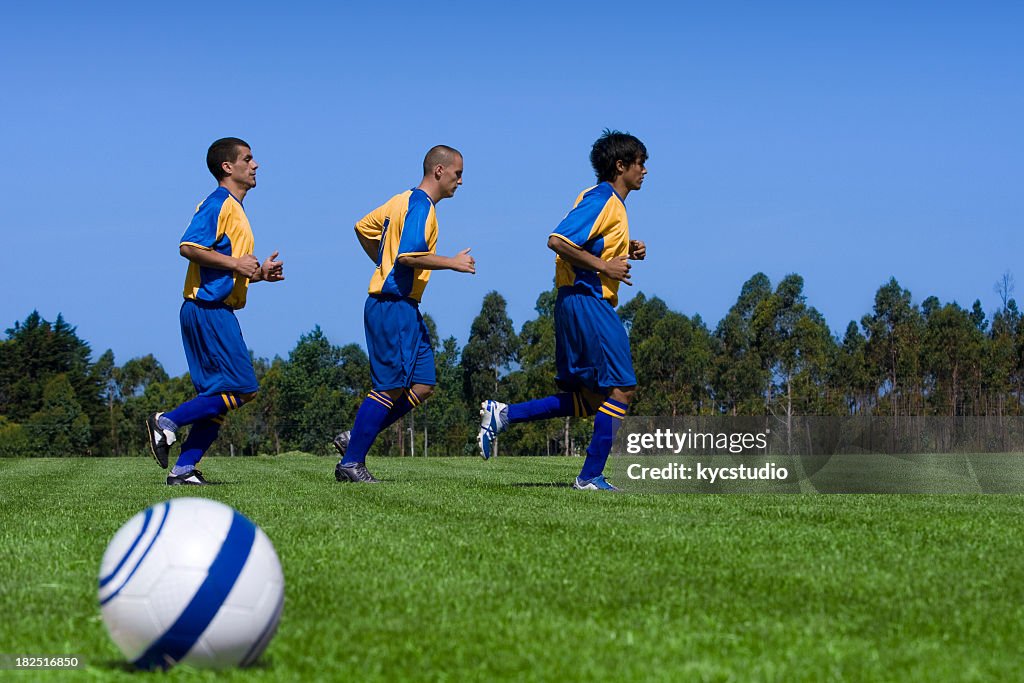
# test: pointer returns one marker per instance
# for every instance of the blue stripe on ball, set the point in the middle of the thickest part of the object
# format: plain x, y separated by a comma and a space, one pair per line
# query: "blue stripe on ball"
104, 580
167, 512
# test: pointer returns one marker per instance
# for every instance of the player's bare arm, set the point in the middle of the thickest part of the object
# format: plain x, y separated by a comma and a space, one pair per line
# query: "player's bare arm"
370, 246
247, 266
637, 250
616, 268
461, 262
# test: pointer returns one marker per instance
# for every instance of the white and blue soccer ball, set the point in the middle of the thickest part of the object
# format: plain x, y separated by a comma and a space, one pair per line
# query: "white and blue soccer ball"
191, 581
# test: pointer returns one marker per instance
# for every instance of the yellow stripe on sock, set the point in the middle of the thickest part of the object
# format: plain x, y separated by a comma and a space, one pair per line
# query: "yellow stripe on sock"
383, 397
413, 398
219, 420
608, 412
227, 401
375, 397
620, 411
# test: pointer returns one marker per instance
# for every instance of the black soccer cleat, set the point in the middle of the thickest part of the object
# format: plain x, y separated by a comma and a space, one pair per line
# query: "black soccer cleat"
355, 473
340, 443
191, 478
160, 440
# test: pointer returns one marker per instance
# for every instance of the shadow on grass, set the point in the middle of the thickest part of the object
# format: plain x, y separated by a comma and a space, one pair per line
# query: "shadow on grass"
543, 485
262, 664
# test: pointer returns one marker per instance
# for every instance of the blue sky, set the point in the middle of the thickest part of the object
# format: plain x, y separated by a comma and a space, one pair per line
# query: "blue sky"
845, 142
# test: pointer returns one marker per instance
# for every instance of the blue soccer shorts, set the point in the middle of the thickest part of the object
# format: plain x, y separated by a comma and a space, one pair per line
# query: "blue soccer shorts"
218, 360
591, 344
398, 343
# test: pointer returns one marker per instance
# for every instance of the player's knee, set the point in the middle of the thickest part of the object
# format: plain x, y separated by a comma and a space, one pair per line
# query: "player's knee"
422, 391
393, 394
623, 394
245, 398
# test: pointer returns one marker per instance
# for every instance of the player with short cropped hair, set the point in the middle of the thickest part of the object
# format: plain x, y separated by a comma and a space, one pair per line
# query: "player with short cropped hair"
218, 244
400, 237
594, 366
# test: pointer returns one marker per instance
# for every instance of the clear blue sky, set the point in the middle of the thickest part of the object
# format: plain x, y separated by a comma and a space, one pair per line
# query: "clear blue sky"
845, 142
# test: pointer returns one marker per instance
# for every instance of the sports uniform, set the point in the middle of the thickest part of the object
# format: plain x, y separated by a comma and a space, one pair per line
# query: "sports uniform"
218, 359
396, 337
591, 345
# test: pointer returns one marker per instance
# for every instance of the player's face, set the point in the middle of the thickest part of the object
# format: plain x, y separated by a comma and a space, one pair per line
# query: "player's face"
243, 169
451, 177
633, 175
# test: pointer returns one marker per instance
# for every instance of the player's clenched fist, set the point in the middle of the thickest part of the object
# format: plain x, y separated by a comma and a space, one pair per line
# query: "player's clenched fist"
463, 262
637, 250
247, 266
617, 268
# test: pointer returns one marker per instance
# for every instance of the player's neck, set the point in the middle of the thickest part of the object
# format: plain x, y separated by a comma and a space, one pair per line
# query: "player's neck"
237, 190
620, 188
432, 190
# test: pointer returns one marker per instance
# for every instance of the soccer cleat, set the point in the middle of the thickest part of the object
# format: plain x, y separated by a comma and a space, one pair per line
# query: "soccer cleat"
191, 478
160, 440
340, 442
356, 473
598, 483
493, 421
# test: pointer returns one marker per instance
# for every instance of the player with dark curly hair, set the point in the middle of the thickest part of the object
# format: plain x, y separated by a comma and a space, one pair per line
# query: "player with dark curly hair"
594, 366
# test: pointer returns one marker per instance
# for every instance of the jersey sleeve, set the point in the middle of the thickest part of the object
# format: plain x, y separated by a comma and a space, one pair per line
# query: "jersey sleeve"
578, 226
415, 241
206, 226
371, 226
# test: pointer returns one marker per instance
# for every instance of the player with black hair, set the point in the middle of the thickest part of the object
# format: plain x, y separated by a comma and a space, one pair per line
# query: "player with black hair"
592, 355
218, 244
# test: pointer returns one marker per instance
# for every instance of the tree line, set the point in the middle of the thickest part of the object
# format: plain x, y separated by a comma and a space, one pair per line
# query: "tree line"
772, 354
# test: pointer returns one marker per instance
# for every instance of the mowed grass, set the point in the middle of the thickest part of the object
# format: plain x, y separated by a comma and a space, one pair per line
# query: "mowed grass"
464, 570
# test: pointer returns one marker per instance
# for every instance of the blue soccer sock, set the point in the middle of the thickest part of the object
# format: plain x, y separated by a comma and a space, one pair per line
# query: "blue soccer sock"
370, 419
559, 405
199, 440
607, 421
199, 408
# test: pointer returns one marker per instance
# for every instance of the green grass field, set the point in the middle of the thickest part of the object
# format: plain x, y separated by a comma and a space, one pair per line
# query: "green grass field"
457, 569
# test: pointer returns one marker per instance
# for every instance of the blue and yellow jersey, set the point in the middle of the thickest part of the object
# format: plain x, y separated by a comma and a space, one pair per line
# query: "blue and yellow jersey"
406, 226
596, 224
220, 225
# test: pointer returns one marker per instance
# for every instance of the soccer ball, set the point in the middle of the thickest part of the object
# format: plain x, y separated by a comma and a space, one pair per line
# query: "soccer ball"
191, 580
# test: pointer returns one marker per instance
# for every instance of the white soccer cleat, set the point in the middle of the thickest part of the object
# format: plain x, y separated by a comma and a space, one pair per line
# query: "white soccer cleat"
598, 483
493, 421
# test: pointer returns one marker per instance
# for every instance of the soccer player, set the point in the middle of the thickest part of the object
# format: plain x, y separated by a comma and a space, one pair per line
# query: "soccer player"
594, 368
218, 244
400, 238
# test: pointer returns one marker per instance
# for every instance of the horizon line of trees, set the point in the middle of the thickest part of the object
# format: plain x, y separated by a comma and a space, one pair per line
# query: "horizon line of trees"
772, 354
